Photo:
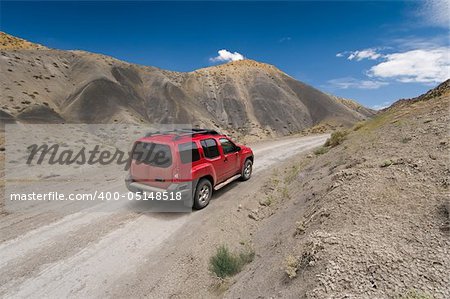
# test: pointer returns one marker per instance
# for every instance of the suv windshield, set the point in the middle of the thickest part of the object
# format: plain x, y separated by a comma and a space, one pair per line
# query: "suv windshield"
155, 154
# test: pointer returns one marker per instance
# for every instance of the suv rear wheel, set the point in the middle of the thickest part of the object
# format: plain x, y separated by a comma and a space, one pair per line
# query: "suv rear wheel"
202, 194
247, 170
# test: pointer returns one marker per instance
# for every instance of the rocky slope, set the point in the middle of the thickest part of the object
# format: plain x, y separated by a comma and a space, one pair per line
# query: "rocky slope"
45, 85
367, 219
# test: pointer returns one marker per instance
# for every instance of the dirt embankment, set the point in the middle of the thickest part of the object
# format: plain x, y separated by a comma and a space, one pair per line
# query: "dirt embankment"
367, 219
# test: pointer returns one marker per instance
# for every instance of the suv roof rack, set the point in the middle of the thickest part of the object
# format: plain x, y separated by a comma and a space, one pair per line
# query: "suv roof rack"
195, 131
183, 132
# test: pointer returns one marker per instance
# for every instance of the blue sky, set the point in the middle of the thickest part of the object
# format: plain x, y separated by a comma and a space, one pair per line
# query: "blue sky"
371, 51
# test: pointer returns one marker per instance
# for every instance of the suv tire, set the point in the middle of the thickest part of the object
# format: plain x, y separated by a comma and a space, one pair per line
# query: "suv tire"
247, 170
202, 194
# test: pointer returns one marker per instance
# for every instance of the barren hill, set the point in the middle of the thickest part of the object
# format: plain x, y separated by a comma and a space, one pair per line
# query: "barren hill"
45, 85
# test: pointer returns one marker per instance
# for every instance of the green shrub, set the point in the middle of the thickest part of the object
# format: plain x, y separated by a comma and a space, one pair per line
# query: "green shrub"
225, 263
336, 138
321, 150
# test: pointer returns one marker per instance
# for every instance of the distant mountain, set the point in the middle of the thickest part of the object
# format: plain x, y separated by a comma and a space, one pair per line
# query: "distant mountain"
41, 85
438, 91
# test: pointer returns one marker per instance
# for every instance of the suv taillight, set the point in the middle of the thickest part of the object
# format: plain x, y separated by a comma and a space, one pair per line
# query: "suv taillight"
176, 174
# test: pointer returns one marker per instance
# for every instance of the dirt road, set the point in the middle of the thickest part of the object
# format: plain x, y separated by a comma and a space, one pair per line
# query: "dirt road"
98, 252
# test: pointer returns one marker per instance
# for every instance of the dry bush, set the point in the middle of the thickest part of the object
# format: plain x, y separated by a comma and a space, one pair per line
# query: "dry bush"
291, 266
336, 138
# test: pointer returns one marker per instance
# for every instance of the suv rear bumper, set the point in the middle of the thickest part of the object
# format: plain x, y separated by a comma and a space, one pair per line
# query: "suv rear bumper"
185, 189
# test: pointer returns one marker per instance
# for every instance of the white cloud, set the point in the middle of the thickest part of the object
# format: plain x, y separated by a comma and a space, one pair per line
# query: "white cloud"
370, 54
226, 56
414, 43
422, 66
285, 39
364, 54
349, 82
436, 13
381, 106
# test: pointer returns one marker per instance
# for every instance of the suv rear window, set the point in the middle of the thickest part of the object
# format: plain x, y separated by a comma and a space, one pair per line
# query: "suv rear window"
210, 148
154, 154
188, 152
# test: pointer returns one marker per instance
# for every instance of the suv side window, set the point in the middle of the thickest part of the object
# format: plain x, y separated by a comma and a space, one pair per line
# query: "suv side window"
188, 152
210, 148
227, 145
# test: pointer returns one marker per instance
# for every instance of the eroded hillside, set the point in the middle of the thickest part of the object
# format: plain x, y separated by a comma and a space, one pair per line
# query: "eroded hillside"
368, 218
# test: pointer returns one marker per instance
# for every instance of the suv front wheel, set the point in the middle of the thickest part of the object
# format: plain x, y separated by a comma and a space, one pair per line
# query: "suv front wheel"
202, 194
247, 170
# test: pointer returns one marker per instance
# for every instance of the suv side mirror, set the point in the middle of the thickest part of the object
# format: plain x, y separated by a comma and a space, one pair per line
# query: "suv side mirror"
238, 148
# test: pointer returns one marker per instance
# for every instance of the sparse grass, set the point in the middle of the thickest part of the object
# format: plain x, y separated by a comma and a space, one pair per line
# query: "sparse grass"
268, 201
358, 126
285, 192
336, 138
275, 181
321, 150
246, 257
414, 294
225, 263
292, 174
379, 120
220, 286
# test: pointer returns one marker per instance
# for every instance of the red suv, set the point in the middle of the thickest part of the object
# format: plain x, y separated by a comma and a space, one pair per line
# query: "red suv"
187, 162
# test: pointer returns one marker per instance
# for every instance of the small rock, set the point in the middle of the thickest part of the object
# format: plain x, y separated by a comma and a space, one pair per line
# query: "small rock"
253, 215
432, 157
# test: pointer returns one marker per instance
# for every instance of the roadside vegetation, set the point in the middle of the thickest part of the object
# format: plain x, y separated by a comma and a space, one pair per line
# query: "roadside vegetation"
358, 126
336, 138
226, 263
321, 150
